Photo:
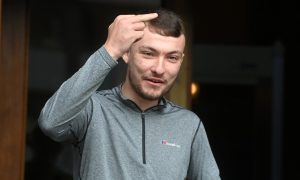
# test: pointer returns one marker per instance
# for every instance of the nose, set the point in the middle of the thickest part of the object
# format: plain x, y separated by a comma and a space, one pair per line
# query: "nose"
158, 66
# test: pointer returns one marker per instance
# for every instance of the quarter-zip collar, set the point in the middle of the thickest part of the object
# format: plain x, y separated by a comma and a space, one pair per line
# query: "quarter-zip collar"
117, 91
161, 105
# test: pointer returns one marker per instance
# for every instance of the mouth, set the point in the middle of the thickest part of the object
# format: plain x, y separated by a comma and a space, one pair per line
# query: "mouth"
155, 81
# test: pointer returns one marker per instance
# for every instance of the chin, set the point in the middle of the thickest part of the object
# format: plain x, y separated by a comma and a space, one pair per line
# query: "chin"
152, 95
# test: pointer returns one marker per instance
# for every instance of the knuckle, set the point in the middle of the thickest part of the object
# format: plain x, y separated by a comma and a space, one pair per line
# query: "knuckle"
118, 17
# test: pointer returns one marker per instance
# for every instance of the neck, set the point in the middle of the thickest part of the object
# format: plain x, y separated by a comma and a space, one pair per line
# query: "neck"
130, 93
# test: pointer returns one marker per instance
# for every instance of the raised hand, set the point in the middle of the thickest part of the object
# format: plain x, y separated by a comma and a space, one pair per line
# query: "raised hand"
124, 31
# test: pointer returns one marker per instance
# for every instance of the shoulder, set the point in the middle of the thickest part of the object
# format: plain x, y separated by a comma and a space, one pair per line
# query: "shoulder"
105, 92
106, 96
184, 113
173, 107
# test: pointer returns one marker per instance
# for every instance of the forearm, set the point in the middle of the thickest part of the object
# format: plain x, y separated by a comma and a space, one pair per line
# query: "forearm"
73, 95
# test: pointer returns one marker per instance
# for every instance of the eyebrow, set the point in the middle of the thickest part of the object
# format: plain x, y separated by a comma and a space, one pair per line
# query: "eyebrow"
147, 48
152, 49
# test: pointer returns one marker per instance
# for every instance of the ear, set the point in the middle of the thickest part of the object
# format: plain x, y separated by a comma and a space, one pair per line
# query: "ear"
182, 58
125, 57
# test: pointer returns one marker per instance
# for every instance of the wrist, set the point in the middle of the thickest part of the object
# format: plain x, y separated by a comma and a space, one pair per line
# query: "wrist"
111, 51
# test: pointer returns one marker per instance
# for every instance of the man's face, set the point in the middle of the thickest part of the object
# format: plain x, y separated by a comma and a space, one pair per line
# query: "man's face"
153, 64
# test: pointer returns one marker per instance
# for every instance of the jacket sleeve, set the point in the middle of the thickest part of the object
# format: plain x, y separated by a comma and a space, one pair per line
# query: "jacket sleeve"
66, 114
202, 162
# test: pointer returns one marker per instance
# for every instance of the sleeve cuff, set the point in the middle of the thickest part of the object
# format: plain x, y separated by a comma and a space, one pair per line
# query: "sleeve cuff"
106, 57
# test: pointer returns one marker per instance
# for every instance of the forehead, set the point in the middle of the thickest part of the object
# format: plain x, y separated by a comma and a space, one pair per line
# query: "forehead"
160, 43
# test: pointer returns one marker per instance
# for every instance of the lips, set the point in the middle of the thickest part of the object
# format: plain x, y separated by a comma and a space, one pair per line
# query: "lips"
154, 80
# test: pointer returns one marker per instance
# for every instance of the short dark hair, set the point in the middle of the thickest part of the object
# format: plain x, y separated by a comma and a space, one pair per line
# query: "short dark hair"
168, 23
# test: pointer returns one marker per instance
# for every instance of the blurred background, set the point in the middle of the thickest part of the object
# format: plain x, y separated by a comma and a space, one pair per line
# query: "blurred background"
236, 77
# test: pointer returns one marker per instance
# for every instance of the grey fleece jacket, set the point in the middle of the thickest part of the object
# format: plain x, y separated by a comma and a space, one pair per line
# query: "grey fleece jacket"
114, 140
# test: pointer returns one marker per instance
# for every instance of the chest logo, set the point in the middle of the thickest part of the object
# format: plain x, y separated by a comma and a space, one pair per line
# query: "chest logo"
165, 142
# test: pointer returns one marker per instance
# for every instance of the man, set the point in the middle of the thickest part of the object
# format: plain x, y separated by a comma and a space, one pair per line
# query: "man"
131, 131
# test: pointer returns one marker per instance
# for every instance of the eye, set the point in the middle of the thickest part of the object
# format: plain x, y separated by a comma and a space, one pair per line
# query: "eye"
173, 58
147, 54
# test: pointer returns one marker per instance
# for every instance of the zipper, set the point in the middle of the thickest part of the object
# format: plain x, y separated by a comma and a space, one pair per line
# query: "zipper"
143, 138
143, 129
